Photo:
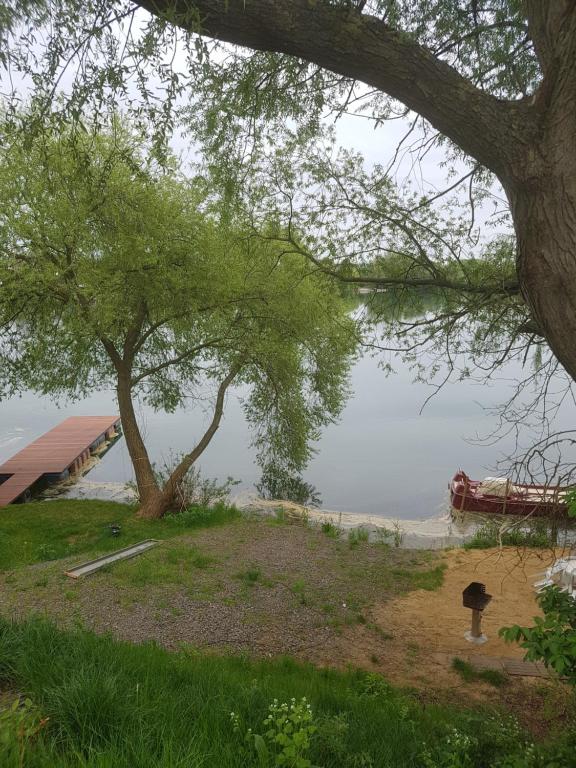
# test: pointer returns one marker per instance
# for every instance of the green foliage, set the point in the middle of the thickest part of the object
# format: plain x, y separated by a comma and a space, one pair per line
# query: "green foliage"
286, 738
552, 639
115, 269
331, 529
454, 753
358, 536
534, 533
20, 725
429, 580
117, 704
193, 490
259, 120
250, 576
571, 502
489, 740
387, 535
202, 517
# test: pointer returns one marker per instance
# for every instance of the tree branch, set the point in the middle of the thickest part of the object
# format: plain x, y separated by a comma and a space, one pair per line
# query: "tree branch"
504, 288
188, 460
175, 360
545, 22
362, 47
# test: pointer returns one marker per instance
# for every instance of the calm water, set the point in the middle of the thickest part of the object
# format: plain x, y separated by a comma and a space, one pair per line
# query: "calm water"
383, 458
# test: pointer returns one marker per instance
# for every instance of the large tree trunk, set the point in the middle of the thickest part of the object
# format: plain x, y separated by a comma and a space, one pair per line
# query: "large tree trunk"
542, 194
148, 489
545, 223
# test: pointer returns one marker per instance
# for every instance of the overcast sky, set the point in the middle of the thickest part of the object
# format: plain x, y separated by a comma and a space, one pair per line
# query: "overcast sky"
428, 175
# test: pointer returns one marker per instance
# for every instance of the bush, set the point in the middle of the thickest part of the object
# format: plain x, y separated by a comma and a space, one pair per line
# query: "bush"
331, 529
194, 490
552, 639
286, 739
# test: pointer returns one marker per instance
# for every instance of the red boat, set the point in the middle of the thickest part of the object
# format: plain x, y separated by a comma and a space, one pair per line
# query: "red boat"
500, 496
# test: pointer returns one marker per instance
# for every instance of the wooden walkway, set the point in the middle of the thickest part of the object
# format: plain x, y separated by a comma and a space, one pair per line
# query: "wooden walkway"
60, 451
500, 663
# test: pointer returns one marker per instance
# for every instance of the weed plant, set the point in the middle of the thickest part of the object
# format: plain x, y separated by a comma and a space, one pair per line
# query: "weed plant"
358, 536
470, 674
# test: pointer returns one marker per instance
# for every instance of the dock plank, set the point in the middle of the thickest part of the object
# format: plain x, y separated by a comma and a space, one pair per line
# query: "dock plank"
16, 485
53, 453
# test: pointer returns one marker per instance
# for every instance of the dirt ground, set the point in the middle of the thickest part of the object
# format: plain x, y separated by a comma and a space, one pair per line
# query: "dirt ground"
420, 634
436, 621
265, 590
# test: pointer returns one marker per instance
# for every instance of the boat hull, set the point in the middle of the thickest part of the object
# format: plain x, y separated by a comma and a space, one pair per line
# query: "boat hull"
466, 496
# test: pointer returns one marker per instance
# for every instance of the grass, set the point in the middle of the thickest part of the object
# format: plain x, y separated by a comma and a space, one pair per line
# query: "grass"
50, 530
535, 534
115, 705
299, 591
470, 674
166, 564
250, 576
357, 536
331, 529
430, 580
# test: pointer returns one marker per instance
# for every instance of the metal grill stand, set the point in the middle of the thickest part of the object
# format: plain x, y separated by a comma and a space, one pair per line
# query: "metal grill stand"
476, 598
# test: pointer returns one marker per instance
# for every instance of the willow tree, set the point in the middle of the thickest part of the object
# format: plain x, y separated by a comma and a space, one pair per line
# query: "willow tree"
494, 82
498, 79
118, 273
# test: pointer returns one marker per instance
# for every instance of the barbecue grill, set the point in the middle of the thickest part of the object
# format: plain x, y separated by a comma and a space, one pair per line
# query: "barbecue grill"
476, 598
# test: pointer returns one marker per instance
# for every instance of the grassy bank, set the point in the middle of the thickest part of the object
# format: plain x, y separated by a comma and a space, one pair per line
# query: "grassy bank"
41, 531
109, 703
218, 579
216, 615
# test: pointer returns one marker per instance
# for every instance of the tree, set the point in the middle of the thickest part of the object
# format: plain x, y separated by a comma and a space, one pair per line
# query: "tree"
118, 272
448, 303
519, 125
494, 82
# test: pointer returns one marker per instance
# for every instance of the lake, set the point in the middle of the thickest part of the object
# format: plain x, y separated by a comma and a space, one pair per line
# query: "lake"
384, 457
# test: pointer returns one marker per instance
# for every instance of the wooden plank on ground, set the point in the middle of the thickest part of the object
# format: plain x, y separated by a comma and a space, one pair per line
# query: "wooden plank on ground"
500, 663
85, 569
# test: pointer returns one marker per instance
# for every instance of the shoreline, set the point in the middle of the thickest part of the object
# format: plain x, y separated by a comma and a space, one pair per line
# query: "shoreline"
438, 532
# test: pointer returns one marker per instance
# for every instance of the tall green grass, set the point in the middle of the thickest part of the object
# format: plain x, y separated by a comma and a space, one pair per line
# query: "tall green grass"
116, 705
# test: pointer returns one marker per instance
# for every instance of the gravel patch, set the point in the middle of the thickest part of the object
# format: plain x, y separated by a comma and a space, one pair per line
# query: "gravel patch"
253, 586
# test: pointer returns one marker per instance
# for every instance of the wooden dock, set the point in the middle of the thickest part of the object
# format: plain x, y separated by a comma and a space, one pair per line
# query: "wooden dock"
59, 453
